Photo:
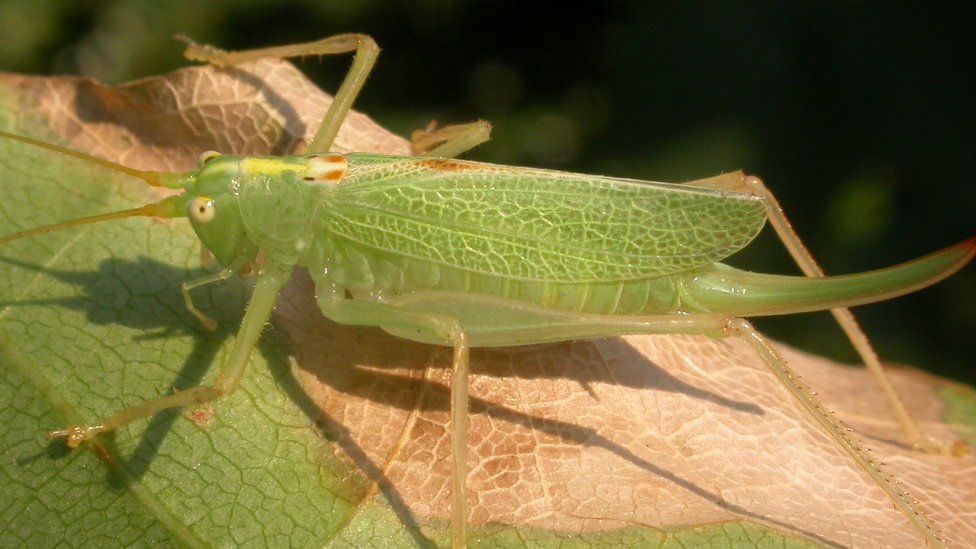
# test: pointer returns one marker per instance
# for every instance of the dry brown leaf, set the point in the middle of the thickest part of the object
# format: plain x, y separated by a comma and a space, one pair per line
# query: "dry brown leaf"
658, 435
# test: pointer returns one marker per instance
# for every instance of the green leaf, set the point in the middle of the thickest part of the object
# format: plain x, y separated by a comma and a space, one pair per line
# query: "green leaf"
93, 320
338, 436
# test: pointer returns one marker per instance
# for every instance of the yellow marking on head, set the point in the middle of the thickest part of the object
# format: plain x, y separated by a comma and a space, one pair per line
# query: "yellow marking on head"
268, 166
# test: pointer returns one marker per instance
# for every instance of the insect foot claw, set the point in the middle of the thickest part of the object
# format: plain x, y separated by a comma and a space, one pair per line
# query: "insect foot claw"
76, 435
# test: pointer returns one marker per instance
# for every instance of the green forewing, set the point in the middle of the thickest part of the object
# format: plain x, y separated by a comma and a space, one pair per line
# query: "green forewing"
533, 224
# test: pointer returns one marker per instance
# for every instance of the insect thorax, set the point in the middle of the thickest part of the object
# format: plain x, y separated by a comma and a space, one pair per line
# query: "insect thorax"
279, 199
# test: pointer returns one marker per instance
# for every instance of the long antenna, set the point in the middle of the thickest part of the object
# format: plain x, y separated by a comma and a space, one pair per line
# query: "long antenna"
172, 206
155, 179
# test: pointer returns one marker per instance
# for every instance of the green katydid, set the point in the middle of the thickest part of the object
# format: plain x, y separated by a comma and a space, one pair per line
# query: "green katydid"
467, 254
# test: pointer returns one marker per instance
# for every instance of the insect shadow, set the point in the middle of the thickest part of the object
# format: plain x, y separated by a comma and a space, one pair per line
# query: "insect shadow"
570, 433
101, 302
356, 362
366, 372
155, 308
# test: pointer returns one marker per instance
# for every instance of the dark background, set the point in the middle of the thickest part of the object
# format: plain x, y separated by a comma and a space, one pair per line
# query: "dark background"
859, 116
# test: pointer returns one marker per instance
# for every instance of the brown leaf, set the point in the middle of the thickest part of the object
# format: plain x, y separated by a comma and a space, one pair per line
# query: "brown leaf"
661, 435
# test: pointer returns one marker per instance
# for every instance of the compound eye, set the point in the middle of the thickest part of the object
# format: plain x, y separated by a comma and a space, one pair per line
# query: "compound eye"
207, 157
202, 209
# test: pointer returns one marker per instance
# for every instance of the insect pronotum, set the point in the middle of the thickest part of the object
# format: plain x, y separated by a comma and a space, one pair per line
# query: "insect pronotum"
467, 255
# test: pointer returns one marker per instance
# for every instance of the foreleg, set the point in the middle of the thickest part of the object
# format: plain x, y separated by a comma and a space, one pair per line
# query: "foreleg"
258, 311
366, 53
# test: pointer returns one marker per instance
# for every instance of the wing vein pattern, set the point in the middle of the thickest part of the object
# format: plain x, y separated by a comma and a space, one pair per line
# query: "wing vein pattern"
540, 225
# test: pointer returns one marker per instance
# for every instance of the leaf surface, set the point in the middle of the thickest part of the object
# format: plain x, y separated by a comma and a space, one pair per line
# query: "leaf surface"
338, 435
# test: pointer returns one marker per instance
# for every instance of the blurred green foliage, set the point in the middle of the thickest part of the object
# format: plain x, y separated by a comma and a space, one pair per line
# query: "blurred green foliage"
858, 115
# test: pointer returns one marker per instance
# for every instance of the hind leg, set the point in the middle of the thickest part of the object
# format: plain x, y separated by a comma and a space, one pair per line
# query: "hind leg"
838, 432
738, 181
449, 141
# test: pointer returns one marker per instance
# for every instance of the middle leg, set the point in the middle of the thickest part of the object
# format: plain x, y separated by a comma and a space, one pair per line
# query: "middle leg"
449, 141
449, 332
524, 323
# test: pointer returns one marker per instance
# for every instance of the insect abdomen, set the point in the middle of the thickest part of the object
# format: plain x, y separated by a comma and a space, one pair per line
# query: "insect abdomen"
368, 272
